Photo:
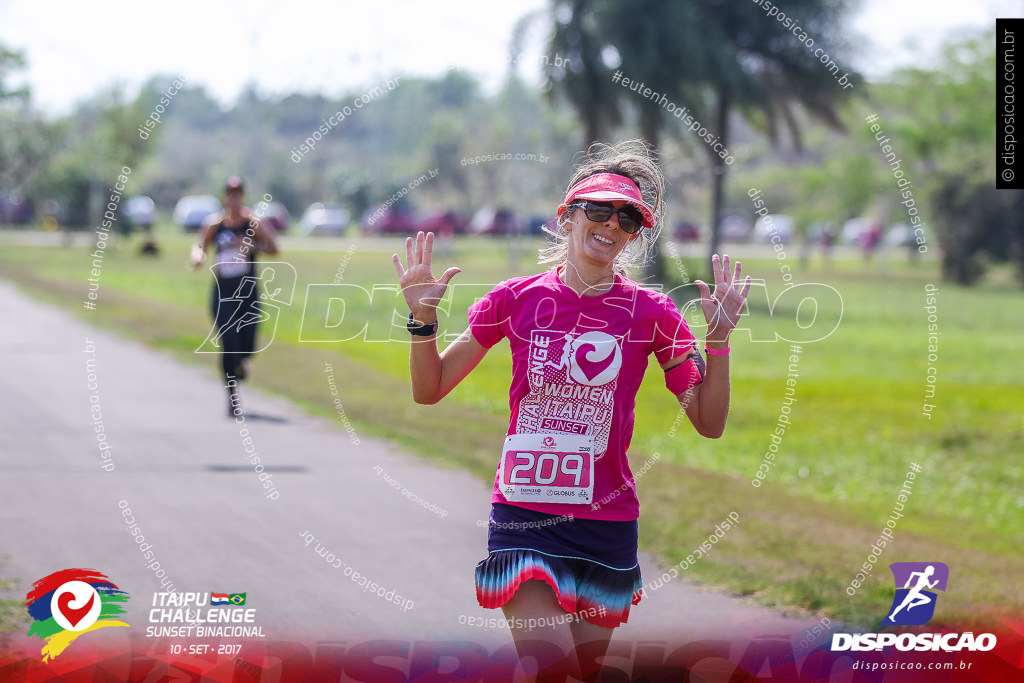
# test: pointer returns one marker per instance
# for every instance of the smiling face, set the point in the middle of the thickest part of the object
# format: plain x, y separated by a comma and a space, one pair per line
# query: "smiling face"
593, 243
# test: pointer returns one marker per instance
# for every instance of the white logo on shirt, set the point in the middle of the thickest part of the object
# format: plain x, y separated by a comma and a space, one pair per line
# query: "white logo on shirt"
594, 358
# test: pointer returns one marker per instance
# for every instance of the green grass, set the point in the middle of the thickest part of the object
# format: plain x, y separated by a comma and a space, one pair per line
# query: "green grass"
856, 425
12, 611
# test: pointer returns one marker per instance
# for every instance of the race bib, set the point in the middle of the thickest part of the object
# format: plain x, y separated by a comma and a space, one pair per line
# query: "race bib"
232, 263
547, 468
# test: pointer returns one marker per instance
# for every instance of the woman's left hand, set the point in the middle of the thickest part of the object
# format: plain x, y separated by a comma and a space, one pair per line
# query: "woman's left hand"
722, 308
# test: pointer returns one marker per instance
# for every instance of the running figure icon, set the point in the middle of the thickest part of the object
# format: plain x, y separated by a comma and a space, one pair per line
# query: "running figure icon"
915, 597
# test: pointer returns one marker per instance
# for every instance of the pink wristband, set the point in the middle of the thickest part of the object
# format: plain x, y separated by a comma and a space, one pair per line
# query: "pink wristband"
717, 352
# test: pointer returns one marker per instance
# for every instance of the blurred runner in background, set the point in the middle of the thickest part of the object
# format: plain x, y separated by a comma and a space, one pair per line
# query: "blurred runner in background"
236, 235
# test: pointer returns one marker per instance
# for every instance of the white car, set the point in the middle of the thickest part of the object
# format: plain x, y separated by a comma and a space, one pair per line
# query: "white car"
854, 230
734, 229
900, 235
771, 225
192, 210
139, 210
320, 218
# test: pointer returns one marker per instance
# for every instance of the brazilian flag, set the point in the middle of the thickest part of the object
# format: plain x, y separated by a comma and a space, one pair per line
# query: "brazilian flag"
237, 598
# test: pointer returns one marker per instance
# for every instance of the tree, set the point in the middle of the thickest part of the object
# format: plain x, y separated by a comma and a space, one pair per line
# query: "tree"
22, 142
941, 119
11, 60
580, 38
715, 58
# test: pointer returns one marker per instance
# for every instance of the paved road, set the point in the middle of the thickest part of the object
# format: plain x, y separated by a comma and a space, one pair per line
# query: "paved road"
180, 466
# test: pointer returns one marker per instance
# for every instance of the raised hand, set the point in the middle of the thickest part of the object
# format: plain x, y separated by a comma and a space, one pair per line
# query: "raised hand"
722, 308
422, 292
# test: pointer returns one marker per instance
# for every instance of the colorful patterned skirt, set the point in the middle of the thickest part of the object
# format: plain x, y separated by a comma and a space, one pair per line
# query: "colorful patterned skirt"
590, 564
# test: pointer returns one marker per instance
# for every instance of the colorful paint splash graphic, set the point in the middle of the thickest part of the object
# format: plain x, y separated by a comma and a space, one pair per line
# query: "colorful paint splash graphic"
68, 603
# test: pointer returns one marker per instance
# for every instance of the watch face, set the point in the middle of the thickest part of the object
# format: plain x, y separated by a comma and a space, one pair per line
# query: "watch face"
421, 330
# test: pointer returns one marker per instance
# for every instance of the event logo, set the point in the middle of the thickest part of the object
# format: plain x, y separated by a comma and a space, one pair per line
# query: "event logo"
68, 603
914, 603
594, 358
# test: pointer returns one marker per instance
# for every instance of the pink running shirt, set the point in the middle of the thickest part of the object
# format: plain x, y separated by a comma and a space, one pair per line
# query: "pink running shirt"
569, 378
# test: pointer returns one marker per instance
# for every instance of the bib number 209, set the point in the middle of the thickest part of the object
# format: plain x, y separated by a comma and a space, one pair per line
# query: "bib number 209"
532, 471
548, 468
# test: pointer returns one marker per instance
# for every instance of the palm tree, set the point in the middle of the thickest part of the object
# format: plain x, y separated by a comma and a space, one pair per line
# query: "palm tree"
582, 75
713, 57
753, 65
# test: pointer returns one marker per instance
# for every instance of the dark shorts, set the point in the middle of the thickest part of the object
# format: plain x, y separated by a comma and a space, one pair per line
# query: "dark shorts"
590, 564
235, 306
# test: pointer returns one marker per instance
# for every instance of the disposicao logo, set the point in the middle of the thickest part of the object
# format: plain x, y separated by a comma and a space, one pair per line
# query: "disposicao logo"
914, 605
68, 603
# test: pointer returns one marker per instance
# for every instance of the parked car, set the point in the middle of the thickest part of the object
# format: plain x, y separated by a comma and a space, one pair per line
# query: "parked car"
14, 210
394, 220
685, 231
854, 230
276, 216
735, 228
324, 219
771, 225
504, 223
536, 224
138, 211
444, 223
900, 235
191, 210
491, 221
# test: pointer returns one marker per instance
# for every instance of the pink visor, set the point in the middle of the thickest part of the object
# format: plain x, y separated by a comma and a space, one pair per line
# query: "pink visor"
610, 187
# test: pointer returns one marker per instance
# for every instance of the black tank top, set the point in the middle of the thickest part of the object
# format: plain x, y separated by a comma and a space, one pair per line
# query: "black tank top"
235, 255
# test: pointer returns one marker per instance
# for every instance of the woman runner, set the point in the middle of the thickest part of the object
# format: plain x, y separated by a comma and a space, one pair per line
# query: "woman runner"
562, 538
236, 235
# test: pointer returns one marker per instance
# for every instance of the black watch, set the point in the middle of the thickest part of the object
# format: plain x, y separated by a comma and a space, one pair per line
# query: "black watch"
421, 330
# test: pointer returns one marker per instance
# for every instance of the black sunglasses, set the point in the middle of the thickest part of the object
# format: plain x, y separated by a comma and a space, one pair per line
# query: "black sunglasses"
630, 218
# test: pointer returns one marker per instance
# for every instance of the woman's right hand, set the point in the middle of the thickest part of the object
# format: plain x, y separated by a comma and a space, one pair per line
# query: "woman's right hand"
422, 292
197, 256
